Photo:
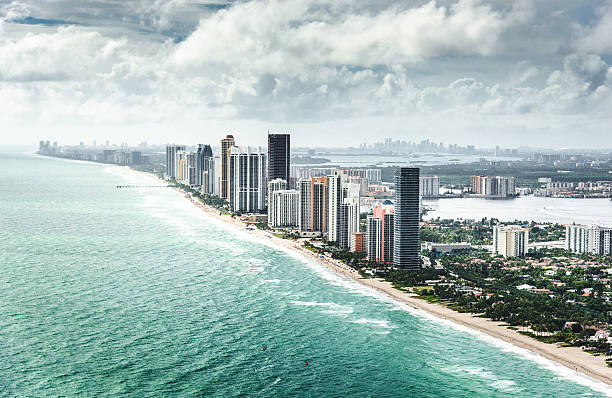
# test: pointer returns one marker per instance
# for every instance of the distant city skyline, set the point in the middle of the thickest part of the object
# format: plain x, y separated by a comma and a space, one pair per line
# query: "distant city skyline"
381, 145
335, 73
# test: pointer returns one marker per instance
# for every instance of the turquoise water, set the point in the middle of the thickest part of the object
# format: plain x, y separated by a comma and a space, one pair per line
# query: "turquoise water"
107, 291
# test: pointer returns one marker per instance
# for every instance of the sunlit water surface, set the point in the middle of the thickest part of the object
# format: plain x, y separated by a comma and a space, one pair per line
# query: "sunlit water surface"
135, 292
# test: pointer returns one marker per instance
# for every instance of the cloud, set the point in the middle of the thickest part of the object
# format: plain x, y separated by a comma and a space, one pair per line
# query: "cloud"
68, 54
280, 36
299, 62
598, 37
15, 12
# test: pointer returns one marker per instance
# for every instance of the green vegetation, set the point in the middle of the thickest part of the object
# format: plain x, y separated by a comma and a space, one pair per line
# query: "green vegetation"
566, 298
553, 296
481, 232
449, 231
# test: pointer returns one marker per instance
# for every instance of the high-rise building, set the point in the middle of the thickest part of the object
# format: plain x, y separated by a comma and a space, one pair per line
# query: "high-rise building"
209, 176
319, 210
314, 204
224, 185
510, 241
430, 187
247, 188
284, 209
203, 154
304, 187
348, 221
380, 232
171, 162
180, 165
216, 184
277, 184
189, 173
358, 241
279, 156
500, 187
406, 245
334, 184
374, 243
343, 207
588, 239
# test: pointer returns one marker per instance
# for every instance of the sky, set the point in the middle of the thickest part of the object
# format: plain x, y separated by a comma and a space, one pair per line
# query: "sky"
330, 72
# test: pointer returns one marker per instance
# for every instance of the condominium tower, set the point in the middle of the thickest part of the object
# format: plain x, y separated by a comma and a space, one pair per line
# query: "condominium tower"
313, 204
284, 209
430, 187
171, 161
510, 241
380, 232
224, 185
588, 239
203, 155
279, 155
247, 179
499, 187
406, 245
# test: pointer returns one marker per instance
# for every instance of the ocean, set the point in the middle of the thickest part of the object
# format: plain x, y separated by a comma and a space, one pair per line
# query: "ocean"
136, 292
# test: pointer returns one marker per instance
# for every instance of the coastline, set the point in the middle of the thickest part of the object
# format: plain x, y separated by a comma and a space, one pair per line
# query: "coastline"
572, 358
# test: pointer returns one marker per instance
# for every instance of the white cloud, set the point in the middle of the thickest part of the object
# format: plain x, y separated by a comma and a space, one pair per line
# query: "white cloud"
15, 11
68, 54
598, 38
276, 36
300, 62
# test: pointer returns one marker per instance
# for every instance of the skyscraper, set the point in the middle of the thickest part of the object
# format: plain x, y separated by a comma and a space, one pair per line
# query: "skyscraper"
279, 155
374, 244
406, 246
171, 162
313, 204
247, 180
180, 161
277, 184
224, 185
334, 185
283, 209
380, 233
343, 207
189, 173
348, 221
209, 180
319, 210
304, 187
203, 155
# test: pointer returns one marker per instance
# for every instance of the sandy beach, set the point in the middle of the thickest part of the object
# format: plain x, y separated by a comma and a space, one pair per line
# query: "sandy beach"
572, 357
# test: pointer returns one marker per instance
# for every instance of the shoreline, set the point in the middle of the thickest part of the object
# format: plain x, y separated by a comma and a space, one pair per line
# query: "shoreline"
572, 358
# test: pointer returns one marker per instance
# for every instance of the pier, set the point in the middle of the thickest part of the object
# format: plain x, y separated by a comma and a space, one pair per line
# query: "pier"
145, 186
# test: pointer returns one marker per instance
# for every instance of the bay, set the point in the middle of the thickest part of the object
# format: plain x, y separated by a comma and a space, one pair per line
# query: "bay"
524, 208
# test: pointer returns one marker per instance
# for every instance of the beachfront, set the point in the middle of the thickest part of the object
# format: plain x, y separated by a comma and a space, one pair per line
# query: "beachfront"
571, 357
